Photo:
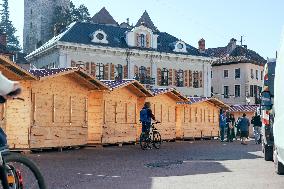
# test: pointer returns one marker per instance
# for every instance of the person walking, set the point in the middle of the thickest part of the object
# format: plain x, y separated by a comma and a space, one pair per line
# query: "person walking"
230, 128
244, 127
256, 121
222, 122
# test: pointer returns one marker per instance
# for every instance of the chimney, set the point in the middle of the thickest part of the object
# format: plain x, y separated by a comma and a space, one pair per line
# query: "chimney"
231, 45
3, 38
201, 45
127, 21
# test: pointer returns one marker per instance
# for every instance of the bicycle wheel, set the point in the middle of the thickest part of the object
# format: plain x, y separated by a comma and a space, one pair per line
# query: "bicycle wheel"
157, 139
144, 143
22, 173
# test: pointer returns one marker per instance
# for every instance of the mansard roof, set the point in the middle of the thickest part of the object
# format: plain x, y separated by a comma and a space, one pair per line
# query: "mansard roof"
103, 17
146, 21
81, 33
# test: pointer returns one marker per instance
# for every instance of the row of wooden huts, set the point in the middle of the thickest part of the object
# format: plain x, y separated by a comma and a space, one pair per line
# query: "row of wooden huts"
68, 107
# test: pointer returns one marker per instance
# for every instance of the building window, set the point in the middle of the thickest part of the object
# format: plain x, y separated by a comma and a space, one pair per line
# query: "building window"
226, 91
237, 90
142, 41
261, 75
31, 25
31, 11
100, 71
100, 36
251, 91
256, 74
143, 74
226, 73
195, 79
165, 77
251, 74
118, 72
180, 78
238, 73
211, 74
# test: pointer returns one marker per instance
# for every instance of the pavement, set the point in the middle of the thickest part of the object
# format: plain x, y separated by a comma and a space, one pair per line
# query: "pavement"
184, 164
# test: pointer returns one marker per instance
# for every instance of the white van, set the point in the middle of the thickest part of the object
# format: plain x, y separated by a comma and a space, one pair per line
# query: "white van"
278, 127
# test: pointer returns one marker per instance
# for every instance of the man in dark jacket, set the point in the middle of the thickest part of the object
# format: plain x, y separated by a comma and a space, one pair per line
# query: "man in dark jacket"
244, 127
146, 117
256, 121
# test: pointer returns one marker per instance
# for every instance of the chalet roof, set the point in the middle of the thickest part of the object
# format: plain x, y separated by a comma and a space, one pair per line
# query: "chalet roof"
77, 73
80, 33
194, 100
14, 71
243, 108
171, 91
146, 21
103, 17
132, 84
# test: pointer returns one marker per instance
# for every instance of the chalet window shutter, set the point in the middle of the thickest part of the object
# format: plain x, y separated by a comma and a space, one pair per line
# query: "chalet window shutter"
170, 77
125, 72
185, 78
112, 70
106, 72
93, 69
189, 78
175, 77
200, 79
159, 76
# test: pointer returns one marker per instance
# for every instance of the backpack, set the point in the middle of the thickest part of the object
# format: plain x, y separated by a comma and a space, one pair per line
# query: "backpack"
144, 117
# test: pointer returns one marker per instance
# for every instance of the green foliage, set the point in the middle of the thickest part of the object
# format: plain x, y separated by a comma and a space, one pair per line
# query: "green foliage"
7, 27
63, 17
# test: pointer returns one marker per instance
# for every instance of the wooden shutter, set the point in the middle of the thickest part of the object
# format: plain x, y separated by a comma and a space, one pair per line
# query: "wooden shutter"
200, 79
135, 70
185, 78
148, 41
175, 78
159, 76
112, 70
125, 72
170, 77
87, 67
189, 78
93, 69
137, 39
106, 71
148, 72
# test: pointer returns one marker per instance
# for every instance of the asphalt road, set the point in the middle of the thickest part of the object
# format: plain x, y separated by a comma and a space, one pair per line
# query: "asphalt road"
198, 164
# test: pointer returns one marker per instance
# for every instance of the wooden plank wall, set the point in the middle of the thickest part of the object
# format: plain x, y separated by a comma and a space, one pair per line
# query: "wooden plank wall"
59, 113
198, 120
120, 116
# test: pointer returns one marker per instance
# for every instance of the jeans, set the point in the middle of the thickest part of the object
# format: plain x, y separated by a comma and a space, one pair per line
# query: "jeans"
3, 138
222, 132
146, 127
257, 133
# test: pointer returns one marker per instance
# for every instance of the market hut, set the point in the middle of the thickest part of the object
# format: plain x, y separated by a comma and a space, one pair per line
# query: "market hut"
199, 117
163, 105
239, 110
120, 110
55, 111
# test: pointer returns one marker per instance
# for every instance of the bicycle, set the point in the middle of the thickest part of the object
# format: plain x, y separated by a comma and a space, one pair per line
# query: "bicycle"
17, 171
153, 137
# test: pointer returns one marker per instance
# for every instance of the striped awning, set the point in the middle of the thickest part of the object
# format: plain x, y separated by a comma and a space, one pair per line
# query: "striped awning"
243, 108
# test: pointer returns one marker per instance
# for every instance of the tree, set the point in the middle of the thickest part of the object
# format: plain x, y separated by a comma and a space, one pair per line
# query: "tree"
63, 17
7, 27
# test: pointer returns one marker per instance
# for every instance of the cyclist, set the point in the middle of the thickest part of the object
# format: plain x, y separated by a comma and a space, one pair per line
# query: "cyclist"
146, 117
8, 90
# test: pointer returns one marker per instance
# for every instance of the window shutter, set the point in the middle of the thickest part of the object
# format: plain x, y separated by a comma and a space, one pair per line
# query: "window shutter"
175, 77
149, 72
73, 63
93, 69
106, 71
125, 72
190, 78
135, 70
200, 79
159, 76
87, 65
112, 70
137, 39
170, 77
148, 41
185, 78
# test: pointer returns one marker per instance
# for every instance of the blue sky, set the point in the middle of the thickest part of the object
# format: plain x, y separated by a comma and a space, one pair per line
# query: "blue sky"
217, 21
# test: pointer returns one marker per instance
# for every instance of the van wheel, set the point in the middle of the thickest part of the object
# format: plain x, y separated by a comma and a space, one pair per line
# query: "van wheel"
268, 153
279, 167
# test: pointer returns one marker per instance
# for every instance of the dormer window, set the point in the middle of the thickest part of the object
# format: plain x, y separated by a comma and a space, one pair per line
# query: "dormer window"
180, 46
99, 37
